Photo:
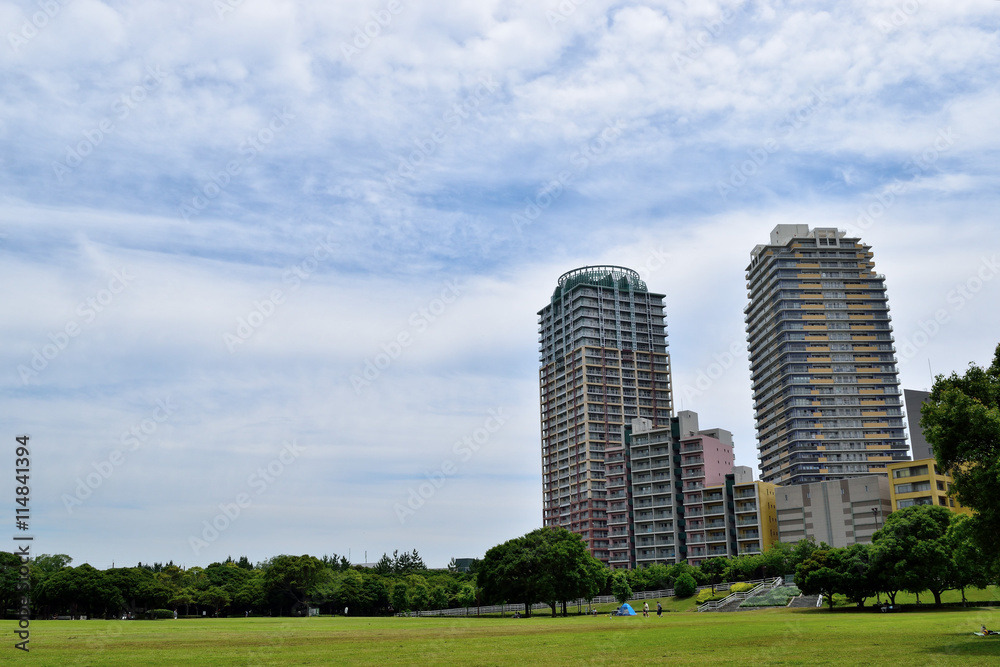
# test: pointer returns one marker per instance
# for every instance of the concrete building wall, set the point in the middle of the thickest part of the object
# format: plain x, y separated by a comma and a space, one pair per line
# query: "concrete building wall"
919, 447
838, 512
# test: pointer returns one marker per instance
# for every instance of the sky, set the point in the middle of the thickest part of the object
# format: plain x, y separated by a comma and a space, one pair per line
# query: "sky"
271, 270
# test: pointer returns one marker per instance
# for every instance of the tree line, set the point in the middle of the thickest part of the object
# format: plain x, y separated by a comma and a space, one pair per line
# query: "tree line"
280, 586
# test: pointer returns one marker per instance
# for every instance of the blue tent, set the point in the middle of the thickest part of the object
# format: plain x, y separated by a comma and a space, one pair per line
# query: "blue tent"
626, 610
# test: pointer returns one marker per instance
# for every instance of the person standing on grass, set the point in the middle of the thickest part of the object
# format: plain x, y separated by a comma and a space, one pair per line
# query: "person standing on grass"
645, 609
659, 608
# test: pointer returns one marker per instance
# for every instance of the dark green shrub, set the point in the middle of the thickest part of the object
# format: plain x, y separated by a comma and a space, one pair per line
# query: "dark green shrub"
685, 586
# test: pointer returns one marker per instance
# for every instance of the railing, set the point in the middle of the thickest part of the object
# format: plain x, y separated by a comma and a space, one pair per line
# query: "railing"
760, 589
600, 599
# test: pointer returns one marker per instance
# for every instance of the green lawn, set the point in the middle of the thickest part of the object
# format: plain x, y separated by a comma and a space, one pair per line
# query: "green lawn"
766, 637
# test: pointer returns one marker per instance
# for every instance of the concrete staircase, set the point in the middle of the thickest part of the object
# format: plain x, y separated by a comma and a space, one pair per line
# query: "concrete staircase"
804, 601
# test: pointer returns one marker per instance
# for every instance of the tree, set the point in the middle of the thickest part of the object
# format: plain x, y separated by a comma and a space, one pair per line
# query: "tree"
215, 597
685, 586
620, 586
289, 580
439, 598
399, 598
858, 579
383, 567
183, 598
714, 568
547, 565
969, 566
420, 597
961, 421
916, 538
820, 574
779, 559
10, 593
467, 596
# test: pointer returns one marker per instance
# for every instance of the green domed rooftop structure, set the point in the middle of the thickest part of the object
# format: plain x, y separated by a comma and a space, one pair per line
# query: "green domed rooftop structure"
617, 277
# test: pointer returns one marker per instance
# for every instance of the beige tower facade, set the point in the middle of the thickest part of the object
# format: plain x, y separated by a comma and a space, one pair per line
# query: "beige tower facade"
603, 362
825, 384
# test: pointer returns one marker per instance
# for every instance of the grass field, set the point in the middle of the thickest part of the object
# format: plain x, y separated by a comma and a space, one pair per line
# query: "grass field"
768, 637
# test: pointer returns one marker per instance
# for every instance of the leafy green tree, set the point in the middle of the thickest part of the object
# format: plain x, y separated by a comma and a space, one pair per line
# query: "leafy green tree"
251, 594
185, 597
749, 566
621, 588
439, 598
821, 574
10, 577
548, 565
81, 590
349, 588
420, 597
376, 595
918, 536
289, 579
685, 586
714, 568
399, 598
970, 566
961, 421
467, 596
383, 567
858, 580
658, 577
779, 560
215, 597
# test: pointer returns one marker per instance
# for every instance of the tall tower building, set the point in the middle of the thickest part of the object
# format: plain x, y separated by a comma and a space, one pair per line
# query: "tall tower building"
604, 362
825, 386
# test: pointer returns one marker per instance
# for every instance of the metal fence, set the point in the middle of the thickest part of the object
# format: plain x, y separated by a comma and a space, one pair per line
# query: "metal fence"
600, 599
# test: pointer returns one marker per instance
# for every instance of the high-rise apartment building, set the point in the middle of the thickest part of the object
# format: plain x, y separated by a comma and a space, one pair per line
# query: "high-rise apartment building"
650, 479
825, 387
604, 362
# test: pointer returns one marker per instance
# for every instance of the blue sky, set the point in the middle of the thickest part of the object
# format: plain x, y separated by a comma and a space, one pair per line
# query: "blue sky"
214, 215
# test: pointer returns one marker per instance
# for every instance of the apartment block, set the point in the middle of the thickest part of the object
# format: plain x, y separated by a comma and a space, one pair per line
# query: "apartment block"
838, 512
825, 383
756, 514
603, 362
921, 483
